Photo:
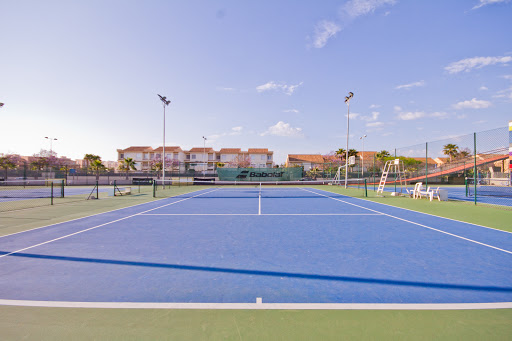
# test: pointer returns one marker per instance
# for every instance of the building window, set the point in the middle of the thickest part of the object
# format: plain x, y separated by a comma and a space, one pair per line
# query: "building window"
121, 156
193, 156
139, 156
175, 157
269, 157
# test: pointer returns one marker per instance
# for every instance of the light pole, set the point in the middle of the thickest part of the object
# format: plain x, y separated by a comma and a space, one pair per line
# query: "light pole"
347, 100
51, 143
204, 156
362, 156
165, 103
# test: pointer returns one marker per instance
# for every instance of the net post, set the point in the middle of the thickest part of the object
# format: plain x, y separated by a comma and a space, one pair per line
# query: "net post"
51, 195
154, 189
115, 186
365, 189
97, 190
62, 189
474, 169
466, 185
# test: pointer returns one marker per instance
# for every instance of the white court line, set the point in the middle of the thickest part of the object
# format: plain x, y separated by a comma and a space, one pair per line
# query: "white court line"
97, 226
259, 305
412, 222
254, 214
93, 215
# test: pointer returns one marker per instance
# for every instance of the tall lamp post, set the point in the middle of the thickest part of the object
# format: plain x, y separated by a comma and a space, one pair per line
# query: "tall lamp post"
51, 143
347, 100
362, 156
204, 156
165, 103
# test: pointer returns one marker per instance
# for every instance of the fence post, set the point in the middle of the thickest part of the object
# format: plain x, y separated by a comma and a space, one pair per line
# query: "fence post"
97, 190
474, 170
395, 171
62, 189
426, 164
51, 195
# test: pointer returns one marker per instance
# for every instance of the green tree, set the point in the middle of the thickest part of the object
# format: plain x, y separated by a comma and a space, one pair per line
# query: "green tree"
89, 158
341, 153
127, 165
97, 166
383, 154
451, 150
8, 162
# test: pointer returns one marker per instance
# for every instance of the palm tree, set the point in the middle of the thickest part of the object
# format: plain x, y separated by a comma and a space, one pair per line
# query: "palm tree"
341, 153
451, 150
97, 166
128, 164
382, 155
89, 158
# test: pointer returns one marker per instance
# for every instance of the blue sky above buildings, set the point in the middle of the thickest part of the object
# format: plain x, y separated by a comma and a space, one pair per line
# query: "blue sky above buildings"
262, 74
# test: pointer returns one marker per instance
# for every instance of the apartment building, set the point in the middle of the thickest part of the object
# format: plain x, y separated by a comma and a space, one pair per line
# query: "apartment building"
197, 158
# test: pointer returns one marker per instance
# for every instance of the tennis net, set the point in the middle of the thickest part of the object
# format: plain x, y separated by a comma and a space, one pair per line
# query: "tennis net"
494, 187
31, 189
275, 189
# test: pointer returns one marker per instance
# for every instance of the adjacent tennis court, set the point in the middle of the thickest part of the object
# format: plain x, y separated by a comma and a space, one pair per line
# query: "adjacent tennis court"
300, 245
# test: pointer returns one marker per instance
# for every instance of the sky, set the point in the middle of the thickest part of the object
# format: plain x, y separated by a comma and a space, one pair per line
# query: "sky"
250, 74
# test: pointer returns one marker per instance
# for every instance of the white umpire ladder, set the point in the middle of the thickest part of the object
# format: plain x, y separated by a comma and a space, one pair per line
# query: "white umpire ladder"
396, 167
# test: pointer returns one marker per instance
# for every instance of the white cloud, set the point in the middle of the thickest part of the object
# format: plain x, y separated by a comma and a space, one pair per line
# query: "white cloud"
295, 111
222, 88
357, 8
233, 132
324, 30
439, 114
374, 124
374, 116
508, 77
507, 93
476, 63
408, 116
488, 2
411, 85
375, 106
473, 104
273, 86
483, 88
283, 129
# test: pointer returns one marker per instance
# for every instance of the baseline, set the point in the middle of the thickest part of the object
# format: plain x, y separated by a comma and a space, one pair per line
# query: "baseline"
259, 305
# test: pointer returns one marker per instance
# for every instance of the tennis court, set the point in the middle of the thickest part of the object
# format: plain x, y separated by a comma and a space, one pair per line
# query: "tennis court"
296, 245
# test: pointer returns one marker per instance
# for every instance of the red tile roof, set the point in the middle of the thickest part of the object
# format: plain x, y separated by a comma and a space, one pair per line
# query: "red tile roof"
201, 150
230, 151
136, 149
314, 158
259, 151
168, 149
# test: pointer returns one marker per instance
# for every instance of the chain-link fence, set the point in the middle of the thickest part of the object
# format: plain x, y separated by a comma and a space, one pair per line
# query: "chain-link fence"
473, 168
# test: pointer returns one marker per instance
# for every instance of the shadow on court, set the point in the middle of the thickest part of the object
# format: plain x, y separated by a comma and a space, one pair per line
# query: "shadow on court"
267, 273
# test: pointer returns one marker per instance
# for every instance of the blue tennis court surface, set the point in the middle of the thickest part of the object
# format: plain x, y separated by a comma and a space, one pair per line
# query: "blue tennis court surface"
297, 245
